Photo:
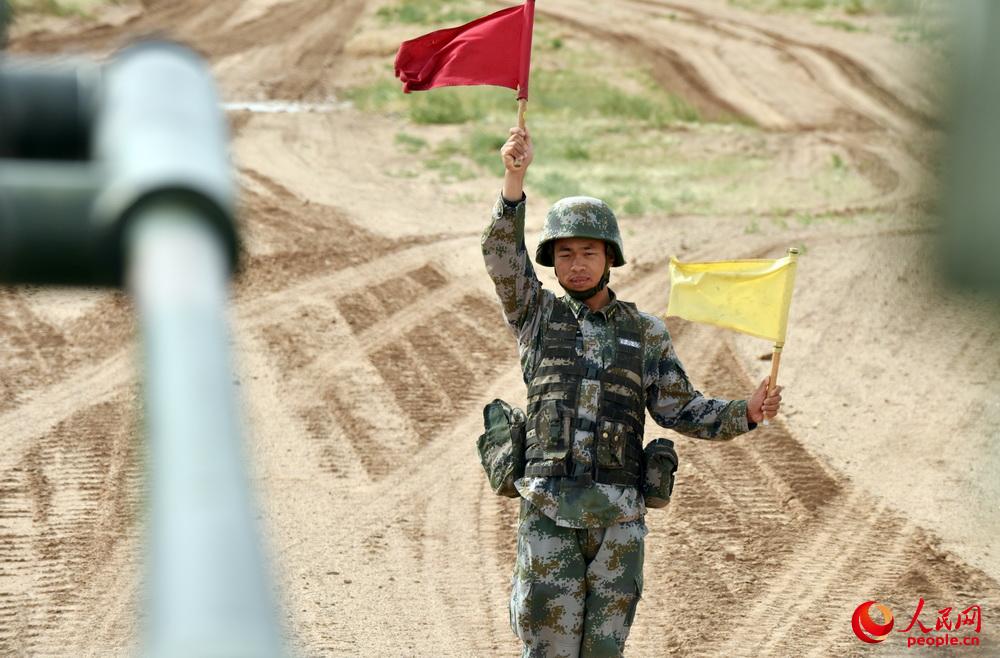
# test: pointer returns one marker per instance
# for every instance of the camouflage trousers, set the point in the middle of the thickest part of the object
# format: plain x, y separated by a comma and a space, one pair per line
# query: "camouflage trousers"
575, 590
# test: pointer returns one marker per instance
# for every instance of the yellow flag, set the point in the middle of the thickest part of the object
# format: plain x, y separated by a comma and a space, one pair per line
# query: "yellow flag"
750, 296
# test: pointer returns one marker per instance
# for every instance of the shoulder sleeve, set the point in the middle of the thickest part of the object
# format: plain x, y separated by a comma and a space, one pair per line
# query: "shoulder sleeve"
508, 265
673, 401
524, 302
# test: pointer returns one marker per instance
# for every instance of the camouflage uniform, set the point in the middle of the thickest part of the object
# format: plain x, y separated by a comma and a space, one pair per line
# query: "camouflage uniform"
580, 548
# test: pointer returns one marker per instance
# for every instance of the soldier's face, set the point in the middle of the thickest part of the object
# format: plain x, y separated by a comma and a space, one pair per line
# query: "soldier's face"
579, 262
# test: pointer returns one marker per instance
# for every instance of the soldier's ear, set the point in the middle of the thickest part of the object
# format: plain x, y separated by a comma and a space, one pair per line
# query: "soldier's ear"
610, 254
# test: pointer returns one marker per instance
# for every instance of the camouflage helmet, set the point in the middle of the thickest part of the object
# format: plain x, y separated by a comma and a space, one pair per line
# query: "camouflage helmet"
579, 217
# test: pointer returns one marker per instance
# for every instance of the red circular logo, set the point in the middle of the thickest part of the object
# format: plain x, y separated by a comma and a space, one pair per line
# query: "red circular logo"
866, 628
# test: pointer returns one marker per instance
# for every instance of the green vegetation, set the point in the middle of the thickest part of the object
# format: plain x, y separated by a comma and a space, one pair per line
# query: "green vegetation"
839, 24
577, 94
428, 12
920, 21
602, 126
411, 143
57, 7
482, 148
851, 7
594, 128
924, 30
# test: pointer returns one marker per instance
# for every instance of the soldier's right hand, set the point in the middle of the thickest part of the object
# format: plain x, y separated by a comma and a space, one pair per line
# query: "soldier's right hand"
518, 151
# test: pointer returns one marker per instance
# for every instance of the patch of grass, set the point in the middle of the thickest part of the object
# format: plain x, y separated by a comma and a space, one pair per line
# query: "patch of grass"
448, 149
634, 206
402, 173
427, 12
466, 198
450, 105
410, 143
449, 170
576, 151
566, 94
57, 7
802, 4
453, 105
382, 95
557, 184
580, 93
855, 7
484, 149
439, 109
839, 24
448, 161
850, 7
919, 30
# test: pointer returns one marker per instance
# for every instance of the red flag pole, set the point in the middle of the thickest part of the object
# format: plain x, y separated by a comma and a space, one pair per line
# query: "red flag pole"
525, 72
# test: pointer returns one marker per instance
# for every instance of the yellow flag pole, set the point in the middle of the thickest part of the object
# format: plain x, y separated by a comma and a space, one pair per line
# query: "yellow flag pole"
793, 254
775, 362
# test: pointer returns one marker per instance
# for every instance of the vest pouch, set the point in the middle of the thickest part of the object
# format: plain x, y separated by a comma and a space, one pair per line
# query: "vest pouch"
501, 447
611, 439
548, 444
659, 469
551, 432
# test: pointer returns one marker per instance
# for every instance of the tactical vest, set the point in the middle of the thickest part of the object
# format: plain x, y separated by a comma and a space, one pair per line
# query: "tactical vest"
553, 396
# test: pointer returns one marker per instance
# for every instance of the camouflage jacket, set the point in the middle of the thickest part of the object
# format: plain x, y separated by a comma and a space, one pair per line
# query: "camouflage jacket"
670, 398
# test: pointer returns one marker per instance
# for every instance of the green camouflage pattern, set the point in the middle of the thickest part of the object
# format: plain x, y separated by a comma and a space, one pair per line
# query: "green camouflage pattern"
660, 460
501, 447
575, 591
670, 398
580, 217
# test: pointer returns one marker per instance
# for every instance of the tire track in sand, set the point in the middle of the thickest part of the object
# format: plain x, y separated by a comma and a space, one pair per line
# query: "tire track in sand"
65, 507
839, 74
786, 564
853, 99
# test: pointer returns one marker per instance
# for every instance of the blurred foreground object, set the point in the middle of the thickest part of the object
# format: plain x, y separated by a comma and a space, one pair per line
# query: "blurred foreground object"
119, 175
972, 203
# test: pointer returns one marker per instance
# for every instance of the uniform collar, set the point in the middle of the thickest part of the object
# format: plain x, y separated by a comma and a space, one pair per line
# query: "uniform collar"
580, 309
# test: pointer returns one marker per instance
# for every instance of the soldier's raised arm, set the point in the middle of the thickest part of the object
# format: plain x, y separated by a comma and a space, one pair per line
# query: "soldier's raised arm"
503, 245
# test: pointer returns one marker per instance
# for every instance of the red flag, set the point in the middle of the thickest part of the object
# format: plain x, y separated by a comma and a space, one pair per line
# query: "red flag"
492, 50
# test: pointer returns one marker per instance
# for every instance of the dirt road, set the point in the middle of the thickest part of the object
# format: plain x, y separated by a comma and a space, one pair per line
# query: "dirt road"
368, 339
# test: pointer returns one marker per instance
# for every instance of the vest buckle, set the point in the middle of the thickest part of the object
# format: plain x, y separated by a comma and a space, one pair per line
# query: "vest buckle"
583, 480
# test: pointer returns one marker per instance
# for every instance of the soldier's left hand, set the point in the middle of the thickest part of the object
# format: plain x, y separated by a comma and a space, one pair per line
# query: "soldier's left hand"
763, 404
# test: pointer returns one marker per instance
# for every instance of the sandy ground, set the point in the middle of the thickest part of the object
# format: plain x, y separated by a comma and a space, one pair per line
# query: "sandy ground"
368, 340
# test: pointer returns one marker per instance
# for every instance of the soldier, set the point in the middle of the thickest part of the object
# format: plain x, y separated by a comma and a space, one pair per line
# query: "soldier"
593, 364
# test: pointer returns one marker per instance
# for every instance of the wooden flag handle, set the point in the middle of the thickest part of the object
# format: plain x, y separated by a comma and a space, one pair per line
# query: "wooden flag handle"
772, 382
522, 109
775, 363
